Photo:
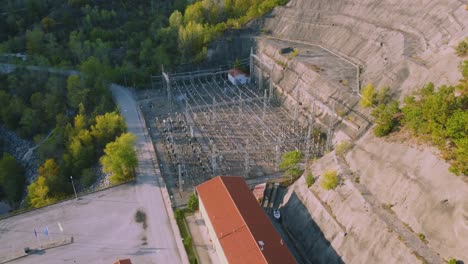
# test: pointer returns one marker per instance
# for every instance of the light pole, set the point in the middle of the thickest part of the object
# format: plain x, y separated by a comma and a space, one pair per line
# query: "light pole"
74, 190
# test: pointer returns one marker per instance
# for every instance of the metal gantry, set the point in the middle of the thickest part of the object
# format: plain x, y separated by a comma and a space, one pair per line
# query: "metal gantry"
223, 128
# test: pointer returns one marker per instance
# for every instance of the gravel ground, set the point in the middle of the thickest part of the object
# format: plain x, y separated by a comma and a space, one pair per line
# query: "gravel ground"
18, 147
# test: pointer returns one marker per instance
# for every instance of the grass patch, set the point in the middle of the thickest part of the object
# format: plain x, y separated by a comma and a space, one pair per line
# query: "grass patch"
310, 179
330, 180
342, 147
281, 63
184, 232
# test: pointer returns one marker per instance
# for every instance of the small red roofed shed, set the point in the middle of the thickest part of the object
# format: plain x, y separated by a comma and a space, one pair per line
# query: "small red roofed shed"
123, 261
237, 76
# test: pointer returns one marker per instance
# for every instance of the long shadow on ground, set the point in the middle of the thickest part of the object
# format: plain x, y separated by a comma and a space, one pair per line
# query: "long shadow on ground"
307, 234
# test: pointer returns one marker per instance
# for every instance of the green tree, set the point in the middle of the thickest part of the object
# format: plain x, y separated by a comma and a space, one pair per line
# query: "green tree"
50, 171
368, 95
294, 172
35, 41
94, 71
194, 13
76, 92
120, 158
30, 122
12, 179
192, 203
176, 19
11, 115
330, 180
107, 128
82, 150
38, 193
47, 23
290, 159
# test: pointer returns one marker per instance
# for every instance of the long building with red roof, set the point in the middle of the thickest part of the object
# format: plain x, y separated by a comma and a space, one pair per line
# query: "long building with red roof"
240, 230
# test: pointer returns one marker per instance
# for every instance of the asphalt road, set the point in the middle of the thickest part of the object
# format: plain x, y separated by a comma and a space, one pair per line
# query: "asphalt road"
103, 224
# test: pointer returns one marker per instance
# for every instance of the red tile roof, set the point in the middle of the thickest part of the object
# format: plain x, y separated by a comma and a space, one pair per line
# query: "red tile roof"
123, 261
234, 72
240, 223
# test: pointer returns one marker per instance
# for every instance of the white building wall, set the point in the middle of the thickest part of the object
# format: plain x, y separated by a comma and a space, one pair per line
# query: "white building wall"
239, 79
211, 232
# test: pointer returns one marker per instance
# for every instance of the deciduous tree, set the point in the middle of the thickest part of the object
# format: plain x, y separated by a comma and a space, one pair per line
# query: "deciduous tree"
120, 158
12, 179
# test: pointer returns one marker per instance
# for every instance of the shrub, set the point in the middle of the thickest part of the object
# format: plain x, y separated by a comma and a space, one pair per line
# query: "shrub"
310, 180
187, 241
452, 261
330, 180
383, 96
386, 118
294, 172
179, 214
192, 203
368, 95
294, 53
342, 147
422, 237
290, 159
87, 177
462, 49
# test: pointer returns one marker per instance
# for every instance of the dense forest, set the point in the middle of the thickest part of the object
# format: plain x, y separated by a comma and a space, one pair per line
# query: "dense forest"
132, 39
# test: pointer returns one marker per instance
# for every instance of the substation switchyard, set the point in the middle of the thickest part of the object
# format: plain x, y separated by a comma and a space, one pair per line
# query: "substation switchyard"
203, 126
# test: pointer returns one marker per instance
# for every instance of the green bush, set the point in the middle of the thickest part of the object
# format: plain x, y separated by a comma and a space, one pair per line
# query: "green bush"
310, 180
452, 261
462, 49
179, 214
192, 203
386, 120
367, 95
294, 172
290, 159
421, 237
330, 180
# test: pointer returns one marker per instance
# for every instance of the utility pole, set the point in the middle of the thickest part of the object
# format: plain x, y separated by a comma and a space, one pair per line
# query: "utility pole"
74, 190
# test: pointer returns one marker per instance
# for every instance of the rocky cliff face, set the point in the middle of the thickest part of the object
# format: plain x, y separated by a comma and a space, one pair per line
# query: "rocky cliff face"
392, 193
402, 44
